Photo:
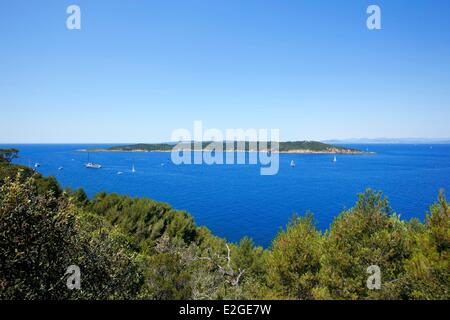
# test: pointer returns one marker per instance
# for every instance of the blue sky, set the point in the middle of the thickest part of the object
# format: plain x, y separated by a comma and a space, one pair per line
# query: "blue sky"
137, 70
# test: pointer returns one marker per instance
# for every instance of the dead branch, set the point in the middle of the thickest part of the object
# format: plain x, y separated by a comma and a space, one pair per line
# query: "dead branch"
232, 276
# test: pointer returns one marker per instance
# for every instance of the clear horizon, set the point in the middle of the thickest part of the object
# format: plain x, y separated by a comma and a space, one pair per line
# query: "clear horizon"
402, 140
137, 72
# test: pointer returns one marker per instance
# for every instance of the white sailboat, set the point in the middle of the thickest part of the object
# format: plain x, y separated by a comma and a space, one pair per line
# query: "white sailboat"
92, 165
334, 160
133, 169
292, 163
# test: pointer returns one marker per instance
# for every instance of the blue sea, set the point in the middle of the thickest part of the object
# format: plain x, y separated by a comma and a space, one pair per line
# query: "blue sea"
235, 200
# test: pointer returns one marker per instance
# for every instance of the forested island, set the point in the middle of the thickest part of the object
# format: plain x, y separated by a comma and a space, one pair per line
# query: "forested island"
237, 146
137, 248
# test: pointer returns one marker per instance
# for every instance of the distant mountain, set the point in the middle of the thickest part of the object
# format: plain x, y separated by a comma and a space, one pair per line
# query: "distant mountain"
284, 147
390, 141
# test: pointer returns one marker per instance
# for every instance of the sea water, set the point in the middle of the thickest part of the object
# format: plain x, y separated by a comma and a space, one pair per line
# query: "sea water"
235, 200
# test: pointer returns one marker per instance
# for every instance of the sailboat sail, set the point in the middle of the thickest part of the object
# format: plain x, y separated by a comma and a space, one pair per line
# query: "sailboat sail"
92, 165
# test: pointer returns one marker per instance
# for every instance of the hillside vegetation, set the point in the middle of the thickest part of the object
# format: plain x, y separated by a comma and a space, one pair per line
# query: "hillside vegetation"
136, 248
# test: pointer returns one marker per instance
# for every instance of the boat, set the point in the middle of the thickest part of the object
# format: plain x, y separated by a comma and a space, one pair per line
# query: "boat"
334, 160
37, 165
119, 172
133, 169
60, 168
292, 163
92, 165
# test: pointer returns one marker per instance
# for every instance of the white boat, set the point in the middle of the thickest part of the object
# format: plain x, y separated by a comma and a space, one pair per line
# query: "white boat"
119, 172
37, 165
292, 163
334, 160
133, 169
92, 165
60, 168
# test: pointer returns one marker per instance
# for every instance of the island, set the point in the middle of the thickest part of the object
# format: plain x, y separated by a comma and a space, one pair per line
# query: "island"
309, 147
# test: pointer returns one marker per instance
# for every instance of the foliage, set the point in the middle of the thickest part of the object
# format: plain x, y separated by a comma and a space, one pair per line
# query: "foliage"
37, 234
8, 154
428, 269
143, 219
137, 248
368, 234
41, 235
294, 262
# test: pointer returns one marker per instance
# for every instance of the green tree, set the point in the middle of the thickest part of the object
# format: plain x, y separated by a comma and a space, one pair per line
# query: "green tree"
167, 278
368, 234
35, 246
79, 197
294, 260
8, 154
143, 219
41, 235
247, 256
428, 270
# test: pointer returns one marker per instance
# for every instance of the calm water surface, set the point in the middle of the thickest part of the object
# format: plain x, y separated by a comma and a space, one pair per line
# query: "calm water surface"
235, 200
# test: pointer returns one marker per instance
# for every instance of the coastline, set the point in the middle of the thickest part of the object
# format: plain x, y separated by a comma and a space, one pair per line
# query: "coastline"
332, 151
